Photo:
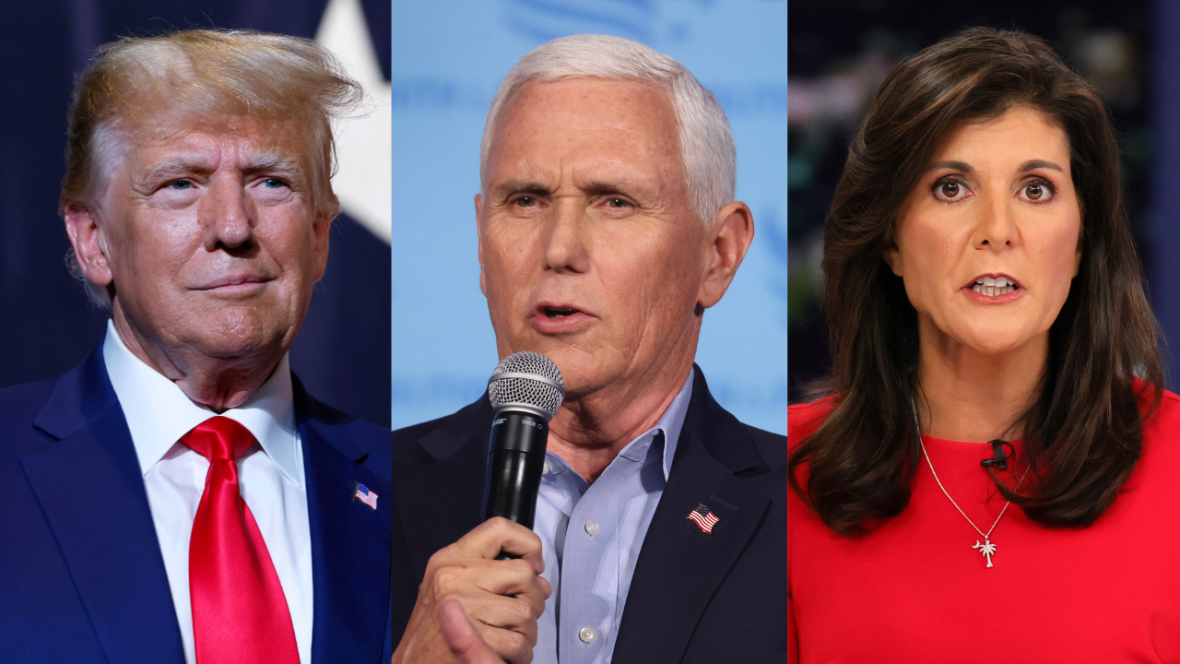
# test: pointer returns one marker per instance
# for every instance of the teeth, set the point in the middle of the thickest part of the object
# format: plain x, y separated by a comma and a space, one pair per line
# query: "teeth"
992, 287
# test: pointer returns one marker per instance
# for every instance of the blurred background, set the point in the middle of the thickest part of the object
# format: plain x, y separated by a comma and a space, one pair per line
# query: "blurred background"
449, 57
342, 354
841, 50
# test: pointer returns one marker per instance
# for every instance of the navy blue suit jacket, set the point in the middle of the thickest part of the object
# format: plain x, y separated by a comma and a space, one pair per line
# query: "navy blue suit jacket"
695, 598
81, 575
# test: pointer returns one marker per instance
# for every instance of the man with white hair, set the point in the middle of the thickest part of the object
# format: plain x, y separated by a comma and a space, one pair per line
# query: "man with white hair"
178, 496
607, 226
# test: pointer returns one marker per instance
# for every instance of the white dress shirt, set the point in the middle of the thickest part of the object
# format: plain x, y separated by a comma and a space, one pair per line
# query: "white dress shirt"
270, 477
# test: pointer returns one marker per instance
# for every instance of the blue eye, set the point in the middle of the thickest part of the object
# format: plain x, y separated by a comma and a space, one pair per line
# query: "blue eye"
273, 183
180, 184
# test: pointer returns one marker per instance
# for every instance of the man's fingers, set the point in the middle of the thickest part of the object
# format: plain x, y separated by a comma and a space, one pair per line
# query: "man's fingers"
498, 534
501, 578
514, 578
481, 607
510, 614
461, 636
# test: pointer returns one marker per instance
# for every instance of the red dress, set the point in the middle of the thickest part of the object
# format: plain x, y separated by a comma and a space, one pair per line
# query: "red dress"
914, 590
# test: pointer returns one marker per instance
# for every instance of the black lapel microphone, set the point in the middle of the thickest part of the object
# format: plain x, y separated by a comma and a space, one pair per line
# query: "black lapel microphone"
1001, 459
526, 390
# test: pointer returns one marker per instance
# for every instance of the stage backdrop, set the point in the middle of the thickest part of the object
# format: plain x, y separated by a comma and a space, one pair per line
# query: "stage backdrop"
449, 56
342, 354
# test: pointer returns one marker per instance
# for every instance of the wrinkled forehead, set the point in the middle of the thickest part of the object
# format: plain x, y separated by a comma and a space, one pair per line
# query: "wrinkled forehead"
184, 138
626, 121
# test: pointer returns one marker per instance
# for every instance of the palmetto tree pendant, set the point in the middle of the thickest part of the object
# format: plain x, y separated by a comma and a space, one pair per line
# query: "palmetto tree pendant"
987, 549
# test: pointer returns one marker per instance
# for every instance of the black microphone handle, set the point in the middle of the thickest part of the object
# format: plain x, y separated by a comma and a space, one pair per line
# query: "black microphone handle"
516, 461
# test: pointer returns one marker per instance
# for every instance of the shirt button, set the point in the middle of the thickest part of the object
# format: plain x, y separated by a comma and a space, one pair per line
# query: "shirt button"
587, 634
592, 528
546, 471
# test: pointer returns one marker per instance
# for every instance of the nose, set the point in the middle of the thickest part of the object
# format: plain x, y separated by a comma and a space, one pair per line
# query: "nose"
996, 224
564, 240
227, 214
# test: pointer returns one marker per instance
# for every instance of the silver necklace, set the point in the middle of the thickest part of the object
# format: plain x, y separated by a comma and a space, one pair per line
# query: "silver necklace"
987, 549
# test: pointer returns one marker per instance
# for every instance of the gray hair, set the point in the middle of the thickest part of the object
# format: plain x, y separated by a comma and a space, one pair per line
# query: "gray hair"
201, 72
706, 141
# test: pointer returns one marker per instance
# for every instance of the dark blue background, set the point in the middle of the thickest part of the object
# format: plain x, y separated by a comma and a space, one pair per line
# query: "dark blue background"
343, 351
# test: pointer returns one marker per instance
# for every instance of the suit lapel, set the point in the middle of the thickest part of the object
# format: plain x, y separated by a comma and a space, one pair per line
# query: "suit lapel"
350, 547
452, 457
90, 488
680, 567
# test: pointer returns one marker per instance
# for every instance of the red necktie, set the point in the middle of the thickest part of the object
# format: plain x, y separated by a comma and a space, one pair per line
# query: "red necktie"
240, 614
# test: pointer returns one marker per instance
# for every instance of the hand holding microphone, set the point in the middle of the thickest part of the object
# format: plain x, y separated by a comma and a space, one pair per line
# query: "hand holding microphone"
493, 572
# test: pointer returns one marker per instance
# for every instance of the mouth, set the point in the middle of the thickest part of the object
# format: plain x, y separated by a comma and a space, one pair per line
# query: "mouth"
994, 286
559, 318
557, 312
232, 282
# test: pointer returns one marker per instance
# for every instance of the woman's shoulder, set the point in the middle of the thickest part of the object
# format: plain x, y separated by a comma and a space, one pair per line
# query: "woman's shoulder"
1164, 423
804, 418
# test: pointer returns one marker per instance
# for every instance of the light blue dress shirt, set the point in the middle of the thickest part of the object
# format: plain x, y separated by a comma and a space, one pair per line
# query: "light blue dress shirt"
591, 535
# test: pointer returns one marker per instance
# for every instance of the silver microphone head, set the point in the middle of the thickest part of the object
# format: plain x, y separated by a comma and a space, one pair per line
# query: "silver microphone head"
527, 381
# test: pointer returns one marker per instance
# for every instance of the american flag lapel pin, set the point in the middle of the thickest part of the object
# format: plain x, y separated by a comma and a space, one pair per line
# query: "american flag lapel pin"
704, 518
365, 495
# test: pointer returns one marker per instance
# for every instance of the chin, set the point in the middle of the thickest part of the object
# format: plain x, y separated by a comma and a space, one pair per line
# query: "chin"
581, 372
238, 336
995, 343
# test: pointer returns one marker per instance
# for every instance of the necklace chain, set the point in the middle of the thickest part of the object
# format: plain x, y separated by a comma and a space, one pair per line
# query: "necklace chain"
986, 536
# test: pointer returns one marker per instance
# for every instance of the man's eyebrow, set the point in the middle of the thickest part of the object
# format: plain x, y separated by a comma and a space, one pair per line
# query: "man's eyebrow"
1032, 164
195, 164
510, 187
271, 161
178, 166
601, 187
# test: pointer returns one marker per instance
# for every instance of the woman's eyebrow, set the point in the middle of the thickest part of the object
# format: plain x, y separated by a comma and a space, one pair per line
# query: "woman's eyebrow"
951, 164
1040, 163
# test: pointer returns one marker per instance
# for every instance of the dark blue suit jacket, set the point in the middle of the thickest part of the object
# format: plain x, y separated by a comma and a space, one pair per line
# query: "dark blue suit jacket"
81, 575
695, 598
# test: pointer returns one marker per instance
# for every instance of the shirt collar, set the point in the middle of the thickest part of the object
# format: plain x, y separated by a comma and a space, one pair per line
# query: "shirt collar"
673, 421
158, 412
670, 423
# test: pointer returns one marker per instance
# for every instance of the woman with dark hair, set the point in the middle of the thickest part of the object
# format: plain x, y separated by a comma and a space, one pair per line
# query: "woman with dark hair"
982, 286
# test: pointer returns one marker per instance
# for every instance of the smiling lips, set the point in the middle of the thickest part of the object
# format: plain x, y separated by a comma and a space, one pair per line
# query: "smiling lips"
233, 282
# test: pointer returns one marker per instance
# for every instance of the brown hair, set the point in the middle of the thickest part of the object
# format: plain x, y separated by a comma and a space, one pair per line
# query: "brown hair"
1084, 434
200, 72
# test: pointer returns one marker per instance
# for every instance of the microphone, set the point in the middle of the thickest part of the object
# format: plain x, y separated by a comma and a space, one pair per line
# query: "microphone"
1001, 459
526, 390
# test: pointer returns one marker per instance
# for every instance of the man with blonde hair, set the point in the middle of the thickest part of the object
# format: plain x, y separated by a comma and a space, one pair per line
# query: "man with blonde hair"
178, 496
607, 225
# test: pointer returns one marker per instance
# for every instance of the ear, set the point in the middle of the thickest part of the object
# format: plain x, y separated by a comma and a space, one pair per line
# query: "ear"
892, 258
483, 282
89, 243
320, 229
727, 239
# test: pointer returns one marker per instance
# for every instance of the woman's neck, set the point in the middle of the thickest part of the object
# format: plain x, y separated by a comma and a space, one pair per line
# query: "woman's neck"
971, 396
